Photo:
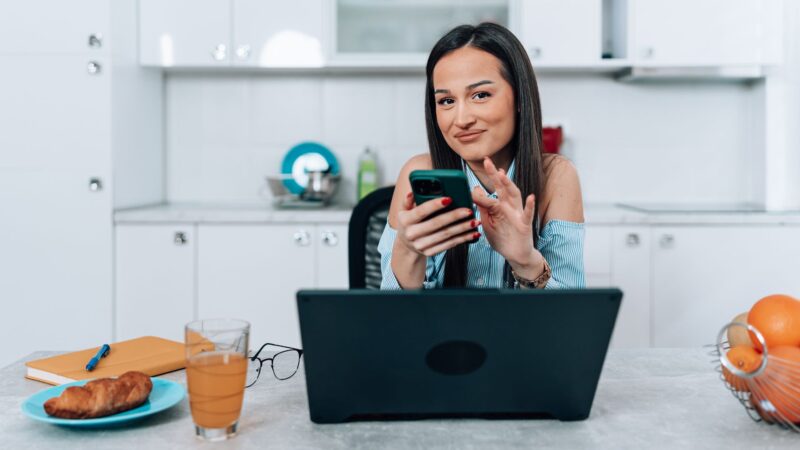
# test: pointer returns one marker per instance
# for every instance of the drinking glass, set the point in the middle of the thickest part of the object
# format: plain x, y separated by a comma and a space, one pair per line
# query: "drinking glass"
216, 373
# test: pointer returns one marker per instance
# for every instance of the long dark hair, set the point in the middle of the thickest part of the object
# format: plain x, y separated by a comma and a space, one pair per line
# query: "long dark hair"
526, 142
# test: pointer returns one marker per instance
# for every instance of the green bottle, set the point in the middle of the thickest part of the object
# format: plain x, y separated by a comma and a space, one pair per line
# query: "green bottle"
367, 173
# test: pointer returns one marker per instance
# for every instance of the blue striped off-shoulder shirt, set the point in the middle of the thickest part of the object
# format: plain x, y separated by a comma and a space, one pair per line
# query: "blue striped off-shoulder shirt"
560, 242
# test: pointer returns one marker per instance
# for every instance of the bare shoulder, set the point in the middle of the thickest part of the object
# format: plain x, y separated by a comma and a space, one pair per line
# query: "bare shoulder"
562, 199
403, 186
418, 162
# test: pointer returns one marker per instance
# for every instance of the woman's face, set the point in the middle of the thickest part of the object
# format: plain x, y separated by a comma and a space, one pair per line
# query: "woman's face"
474, 103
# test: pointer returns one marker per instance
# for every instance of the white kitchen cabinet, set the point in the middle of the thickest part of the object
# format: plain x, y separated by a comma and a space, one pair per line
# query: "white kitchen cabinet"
562, 32
68, 123
195, 33
619, 256
55, 113
278, 34
253, 272
331, 261
155, 280
48, 26
401, 32
55, 261
597, 255
703, 32
56, 200
703, 276
630, 271
250, 33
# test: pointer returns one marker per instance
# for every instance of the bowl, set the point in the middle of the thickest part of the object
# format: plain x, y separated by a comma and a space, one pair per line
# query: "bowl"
321, 186
318, 193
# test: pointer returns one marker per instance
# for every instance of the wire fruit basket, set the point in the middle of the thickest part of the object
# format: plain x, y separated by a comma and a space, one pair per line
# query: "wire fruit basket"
771, 391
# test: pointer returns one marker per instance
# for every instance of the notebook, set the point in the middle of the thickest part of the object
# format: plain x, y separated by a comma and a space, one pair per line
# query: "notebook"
149, 354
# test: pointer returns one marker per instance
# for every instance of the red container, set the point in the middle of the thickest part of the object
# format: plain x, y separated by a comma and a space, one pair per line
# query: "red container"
551, 139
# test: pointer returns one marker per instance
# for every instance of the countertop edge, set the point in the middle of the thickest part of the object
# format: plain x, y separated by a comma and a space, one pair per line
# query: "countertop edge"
595, 215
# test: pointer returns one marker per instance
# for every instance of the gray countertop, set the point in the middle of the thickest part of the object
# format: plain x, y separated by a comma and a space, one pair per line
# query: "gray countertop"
649, 398
595, 214
231, 214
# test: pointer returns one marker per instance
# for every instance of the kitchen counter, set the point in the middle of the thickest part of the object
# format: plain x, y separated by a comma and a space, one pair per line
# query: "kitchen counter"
649, 398
228, 213
594, 213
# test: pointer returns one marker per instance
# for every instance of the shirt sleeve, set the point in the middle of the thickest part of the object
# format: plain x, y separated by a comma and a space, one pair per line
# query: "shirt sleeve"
434, 266
561, 244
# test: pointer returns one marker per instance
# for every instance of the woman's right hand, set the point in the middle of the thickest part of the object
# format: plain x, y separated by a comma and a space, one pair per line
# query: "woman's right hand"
431, 236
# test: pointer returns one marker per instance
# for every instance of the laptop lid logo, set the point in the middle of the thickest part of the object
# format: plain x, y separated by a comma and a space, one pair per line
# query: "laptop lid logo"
456, 357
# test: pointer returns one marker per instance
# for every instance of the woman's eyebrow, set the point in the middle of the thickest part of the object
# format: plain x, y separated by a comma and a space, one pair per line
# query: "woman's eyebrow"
479, 83
468, 88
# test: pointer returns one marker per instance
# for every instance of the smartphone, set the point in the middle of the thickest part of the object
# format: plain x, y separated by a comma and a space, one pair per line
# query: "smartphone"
432, 184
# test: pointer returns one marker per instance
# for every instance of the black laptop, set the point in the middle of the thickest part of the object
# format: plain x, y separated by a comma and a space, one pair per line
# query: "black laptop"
382, 355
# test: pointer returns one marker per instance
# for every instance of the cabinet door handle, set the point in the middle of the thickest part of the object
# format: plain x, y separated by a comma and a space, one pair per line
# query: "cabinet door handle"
648, 52
536, 52
94, 68
95, 184
667, 241
330, 238
243, 52
632, 240
180, 238
220, 52
302, 238
95, 40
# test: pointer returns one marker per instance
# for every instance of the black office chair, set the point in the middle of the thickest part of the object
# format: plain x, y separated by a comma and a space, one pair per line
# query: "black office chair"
366, 226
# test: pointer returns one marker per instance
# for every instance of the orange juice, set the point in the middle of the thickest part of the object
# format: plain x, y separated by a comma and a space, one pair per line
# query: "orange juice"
216, 387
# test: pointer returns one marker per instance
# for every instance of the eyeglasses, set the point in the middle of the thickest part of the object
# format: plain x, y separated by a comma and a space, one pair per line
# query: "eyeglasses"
284, 363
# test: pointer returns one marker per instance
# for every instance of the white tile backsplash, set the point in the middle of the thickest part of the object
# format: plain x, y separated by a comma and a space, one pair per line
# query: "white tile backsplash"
410, 118
643, 142
286, 111
358, 109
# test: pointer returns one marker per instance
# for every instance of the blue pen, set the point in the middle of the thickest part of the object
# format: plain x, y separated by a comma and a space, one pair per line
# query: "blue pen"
100, 354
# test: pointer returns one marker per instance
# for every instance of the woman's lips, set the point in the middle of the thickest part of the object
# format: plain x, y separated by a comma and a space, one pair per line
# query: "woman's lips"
470, 137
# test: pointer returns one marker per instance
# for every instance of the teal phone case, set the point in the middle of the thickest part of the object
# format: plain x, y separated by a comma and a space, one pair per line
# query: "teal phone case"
429, 185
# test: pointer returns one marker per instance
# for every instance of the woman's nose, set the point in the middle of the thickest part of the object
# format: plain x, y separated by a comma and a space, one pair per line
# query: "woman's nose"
464, 116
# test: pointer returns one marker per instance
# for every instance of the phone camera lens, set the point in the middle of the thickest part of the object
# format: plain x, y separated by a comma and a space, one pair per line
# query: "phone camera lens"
421, 187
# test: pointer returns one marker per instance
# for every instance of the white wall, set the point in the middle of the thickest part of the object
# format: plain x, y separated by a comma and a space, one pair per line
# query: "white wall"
792, 52
788, 162
656, 141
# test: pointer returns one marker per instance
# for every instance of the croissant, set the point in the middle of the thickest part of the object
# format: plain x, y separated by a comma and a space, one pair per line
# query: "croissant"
101, 397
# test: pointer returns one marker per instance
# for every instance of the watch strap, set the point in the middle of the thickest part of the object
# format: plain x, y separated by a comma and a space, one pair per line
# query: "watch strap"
537, 283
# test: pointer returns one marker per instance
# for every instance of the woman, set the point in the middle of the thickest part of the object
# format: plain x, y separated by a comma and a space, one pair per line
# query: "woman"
483, 117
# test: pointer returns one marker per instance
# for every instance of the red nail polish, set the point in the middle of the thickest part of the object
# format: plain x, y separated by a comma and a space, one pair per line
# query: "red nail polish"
472, 224
476, 235
446, 201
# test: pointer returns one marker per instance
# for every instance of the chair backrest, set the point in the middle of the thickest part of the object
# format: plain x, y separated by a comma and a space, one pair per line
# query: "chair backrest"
366, 226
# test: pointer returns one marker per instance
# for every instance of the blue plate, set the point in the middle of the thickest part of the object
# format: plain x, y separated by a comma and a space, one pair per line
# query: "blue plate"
306, 156
165, 394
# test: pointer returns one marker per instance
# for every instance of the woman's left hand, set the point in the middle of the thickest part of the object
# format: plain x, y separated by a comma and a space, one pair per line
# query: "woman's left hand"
508, 225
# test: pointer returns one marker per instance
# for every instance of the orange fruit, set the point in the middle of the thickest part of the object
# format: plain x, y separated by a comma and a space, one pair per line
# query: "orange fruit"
739, 335
777, 318
782, 381
744, 358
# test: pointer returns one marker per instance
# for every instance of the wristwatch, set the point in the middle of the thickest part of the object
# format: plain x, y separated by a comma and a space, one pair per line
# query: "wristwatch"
539, 282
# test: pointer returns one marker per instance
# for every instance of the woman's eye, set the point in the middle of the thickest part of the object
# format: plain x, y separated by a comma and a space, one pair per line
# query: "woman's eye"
445, 101
481, 95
